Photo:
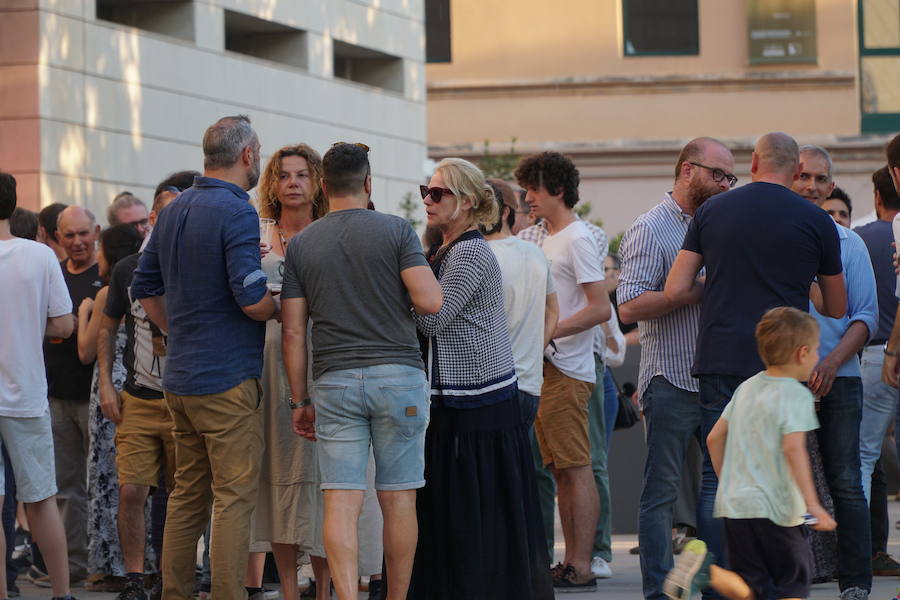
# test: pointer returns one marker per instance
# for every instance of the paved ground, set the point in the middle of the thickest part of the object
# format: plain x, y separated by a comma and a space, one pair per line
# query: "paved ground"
624, 585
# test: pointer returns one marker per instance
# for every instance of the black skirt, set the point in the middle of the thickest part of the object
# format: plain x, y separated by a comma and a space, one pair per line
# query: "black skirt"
480, 528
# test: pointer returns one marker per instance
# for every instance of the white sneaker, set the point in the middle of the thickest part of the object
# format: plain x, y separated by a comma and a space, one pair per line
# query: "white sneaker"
600, 568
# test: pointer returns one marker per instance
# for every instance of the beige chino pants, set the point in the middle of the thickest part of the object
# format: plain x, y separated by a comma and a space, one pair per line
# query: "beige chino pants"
218, 448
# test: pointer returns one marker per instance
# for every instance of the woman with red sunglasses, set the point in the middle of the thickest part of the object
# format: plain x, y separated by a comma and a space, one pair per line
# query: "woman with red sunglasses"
479, 523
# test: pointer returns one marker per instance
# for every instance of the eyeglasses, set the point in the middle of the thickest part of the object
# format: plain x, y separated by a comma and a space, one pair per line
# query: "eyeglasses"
139, 224
436, 193
357, 144
718, 174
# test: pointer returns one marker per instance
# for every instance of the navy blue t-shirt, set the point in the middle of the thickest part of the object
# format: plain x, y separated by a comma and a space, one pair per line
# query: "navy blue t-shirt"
878, 236
203, 256
762, 246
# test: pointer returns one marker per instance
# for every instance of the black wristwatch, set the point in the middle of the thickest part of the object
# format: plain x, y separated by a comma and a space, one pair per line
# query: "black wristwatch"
292, 405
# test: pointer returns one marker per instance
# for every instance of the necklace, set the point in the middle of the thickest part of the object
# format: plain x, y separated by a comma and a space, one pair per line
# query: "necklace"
283, 241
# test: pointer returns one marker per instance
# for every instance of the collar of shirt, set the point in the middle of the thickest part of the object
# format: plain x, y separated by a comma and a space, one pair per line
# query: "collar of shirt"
842, 231
670, 203
211, 182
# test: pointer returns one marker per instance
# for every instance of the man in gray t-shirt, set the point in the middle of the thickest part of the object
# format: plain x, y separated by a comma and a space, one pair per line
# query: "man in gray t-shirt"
357, 274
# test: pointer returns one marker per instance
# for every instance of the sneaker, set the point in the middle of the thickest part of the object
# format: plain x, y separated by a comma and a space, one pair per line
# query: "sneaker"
260, 595
270, 594
567, 581
885, 566
38, 577
635, 550
132, 591
854, 593
600, 568
690, 573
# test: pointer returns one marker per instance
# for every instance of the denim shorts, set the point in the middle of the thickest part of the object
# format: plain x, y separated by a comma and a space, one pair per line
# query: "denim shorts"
385, 405
29, 441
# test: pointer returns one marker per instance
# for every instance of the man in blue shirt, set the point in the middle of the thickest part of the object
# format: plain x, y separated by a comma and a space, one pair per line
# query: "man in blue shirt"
762, 246
879, 399
837, 382
204, 258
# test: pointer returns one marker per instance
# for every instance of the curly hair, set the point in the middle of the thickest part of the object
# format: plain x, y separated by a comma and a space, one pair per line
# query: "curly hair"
466, 180
552, 171
269, 205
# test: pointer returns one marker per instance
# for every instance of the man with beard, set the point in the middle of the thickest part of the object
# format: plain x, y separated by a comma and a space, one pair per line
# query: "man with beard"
204, 258
669, 395
762, 246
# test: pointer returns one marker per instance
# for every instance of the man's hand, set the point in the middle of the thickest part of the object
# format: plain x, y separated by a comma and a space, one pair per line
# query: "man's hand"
111, 404
889, 370
826, 523
822, 377
303, 420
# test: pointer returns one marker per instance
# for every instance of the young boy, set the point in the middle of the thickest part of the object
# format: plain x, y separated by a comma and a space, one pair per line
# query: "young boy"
766, 491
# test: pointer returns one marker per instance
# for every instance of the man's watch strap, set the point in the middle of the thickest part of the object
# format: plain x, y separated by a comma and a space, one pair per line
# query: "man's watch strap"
889, 353
301, 404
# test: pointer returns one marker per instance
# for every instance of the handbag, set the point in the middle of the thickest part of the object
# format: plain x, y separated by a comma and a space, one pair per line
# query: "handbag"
628, 413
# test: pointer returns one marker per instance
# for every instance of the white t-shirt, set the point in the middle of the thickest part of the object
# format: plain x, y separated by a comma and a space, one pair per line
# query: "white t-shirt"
33, 290
526, 285
574, 260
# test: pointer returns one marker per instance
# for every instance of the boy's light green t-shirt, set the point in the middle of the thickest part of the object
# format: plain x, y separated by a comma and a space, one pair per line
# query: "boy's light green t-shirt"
756, 480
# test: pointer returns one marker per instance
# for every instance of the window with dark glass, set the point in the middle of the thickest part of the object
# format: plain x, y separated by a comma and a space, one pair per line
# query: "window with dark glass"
879, 65
437, 31
660, 27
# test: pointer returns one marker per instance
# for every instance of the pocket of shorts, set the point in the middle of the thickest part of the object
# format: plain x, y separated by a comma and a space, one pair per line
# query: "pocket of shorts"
329, 403
410, 408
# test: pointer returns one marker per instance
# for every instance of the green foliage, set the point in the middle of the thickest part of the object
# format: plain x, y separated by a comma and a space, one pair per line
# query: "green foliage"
408, 209
616, 242
501, 166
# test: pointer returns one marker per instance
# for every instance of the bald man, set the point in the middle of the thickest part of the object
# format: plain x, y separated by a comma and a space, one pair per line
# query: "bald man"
69, 384
762, 246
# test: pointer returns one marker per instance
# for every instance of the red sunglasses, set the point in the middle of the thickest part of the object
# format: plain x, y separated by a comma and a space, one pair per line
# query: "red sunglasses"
436, 193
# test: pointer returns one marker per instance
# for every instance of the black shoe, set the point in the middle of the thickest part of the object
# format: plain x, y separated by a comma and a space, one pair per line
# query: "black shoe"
309, 592
567, 581
13, 591
132, 591
66, 597
375, 589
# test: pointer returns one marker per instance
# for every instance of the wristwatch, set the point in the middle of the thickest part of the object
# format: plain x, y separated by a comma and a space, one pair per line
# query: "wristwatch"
292, 405
888, 352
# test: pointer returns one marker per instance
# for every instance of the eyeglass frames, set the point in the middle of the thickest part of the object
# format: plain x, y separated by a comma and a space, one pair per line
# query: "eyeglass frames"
718, 174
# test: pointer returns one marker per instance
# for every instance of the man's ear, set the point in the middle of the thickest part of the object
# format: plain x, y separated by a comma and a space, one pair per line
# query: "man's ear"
367, 185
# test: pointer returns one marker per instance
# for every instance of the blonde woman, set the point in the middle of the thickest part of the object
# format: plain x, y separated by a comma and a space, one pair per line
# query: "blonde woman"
479, 524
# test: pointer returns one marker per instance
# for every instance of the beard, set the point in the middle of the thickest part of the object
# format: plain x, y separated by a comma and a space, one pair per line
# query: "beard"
253, 173
699, 192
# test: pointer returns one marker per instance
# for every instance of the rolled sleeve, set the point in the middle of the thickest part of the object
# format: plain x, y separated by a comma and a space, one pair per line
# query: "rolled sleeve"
642, 263
148, 279
242, 262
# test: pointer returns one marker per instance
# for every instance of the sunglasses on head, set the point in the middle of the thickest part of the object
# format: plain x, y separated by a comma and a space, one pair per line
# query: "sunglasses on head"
436, 193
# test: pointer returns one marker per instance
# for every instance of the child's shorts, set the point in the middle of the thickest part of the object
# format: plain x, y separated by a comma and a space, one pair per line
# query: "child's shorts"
762, 552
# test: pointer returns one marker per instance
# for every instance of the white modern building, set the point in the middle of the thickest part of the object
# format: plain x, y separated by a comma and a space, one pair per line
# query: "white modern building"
100, 96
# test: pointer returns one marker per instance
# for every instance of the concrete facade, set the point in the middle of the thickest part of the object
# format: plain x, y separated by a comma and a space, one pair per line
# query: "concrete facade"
97, 96
559, 79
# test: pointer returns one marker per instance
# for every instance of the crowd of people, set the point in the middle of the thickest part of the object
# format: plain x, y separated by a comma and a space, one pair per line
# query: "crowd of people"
302, 375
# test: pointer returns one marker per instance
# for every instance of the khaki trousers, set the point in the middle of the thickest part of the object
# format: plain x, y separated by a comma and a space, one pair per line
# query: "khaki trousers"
218, 448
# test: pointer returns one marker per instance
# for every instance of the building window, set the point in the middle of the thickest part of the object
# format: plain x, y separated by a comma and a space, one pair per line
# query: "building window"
174, 17
660, 27
437, 31
367, 66
265, 39
879, 65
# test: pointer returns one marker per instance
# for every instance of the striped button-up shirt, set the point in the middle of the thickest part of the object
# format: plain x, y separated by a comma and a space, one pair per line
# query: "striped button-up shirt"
647, 251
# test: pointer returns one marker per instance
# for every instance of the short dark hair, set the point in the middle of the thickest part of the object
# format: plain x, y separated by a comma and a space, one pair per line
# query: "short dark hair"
345, 168
893, 152
118, 242
555, 172
49, 218
181, 181
24, 223
7, 195
839, 194
884, 185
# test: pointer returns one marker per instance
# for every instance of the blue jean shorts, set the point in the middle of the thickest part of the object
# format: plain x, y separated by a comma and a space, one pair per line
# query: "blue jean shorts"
386, 406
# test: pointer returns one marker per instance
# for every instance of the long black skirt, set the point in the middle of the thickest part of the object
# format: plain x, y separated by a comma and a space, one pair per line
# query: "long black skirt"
480, 528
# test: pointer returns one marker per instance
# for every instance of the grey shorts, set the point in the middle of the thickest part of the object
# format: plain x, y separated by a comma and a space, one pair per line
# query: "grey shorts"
29, 442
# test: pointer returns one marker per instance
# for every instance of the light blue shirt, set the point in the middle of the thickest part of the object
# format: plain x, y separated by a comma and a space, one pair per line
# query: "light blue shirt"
862, 300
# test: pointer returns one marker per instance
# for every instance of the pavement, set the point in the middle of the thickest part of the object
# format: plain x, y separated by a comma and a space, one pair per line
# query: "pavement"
625, 583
